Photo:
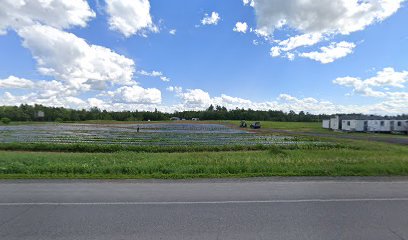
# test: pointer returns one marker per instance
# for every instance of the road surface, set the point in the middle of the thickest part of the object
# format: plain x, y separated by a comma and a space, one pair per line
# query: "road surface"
272, 208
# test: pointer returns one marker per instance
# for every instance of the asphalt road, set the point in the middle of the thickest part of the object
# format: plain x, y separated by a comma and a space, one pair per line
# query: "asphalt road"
274, 208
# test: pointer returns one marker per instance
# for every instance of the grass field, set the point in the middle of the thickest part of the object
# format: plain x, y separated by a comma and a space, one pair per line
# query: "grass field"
363, 159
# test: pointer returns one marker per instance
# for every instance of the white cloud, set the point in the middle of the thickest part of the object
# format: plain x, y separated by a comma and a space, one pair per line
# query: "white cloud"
212, 19
154, 74
195, 98
324, 16
69, 58
41, 88
173, 31
33, 98
317, 21
136, 94
241, 27
308, 39
330, 53
275, 51
175, 89
15, 82
57, 13
130, 17
388, 77
249, 2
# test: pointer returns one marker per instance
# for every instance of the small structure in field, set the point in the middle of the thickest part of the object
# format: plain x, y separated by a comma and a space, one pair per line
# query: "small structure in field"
40, 115
195, 119
326, 124
335, 123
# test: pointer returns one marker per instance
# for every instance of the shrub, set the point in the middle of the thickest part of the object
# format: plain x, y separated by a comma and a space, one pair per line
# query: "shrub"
59, 120
5, 120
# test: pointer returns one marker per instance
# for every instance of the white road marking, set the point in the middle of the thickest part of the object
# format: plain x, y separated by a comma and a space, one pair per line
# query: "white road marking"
204, 202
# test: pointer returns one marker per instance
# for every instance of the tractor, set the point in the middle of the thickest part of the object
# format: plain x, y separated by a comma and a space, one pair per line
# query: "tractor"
256, 125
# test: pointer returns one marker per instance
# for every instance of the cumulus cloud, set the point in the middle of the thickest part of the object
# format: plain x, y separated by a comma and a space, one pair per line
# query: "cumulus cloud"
33, 98
41, 88
130, 17
15, 82
316, 21
195, 98
76, 66
212, 19
173, 31
60, 14
241, 27
71, 59
136, 94
330, 53
325, 16
387, 77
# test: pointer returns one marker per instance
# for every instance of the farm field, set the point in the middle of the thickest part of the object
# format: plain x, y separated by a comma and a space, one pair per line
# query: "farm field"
185, 150
153, 134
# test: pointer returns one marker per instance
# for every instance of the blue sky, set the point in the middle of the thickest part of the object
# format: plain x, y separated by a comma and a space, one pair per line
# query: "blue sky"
349, 55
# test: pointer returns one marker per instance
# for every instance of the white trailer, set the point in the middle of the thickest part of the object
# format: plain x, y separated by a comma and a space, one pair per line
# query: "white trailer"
379, 126
335, 123
399, 125
326, 124
354, 125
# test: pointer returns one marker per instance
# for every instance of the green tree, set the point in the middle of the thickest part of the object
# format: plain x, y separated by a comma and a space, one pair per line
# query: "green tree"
5, 120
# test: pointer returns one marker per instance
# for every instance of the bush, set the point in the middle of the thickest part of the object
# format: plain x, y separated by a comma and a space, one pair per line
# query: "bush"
5, 120
59, 120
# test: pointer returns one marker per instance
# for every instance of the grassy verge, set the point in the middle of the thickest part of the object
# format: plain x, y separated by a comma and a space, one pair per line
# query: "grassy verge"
366, 159
110, 148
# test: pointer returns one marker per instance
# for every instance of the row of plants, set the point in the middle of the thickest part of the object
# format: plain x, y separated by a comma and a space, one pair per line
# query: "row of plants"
110, 148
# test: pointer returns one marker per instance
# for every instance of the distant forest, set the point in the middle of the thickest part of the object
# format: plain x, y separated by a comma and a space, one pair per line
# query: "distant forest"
30, 113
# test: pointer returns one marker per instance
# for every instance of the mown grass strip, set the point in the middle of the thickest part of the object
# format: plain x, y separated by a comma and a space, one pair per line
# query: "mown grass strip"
272, 162
110, 148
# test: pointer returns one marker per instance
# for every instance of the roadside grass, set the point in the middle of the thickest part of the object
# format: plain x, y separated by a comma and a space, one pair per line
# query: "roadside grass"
110, 148
365, 159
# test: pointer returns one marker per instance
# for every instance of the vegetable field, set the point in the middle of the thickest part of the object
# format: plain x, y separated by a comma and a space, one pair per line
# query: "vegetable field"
159, 134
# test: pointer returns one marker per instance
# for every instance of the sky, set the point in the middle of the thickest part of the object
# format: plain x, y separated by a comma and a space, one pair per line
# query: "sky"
327, 56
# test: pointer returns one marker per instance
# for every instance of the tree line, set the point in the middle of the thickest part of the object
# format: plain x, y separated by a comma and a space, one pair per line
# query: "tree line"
31, 113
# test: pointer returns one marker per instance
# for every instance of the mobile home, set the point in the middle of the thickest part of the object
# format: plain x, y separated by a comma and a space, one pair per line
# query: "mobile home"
335, 123
399, 125
354, 125
379, 125
326, 124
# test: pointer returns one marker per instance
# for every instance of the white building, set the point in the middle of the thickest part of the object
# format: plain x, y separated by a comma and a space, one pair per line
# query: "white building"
365, 124
354, 125
326, 124
399, 125
335, 123
379, 126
